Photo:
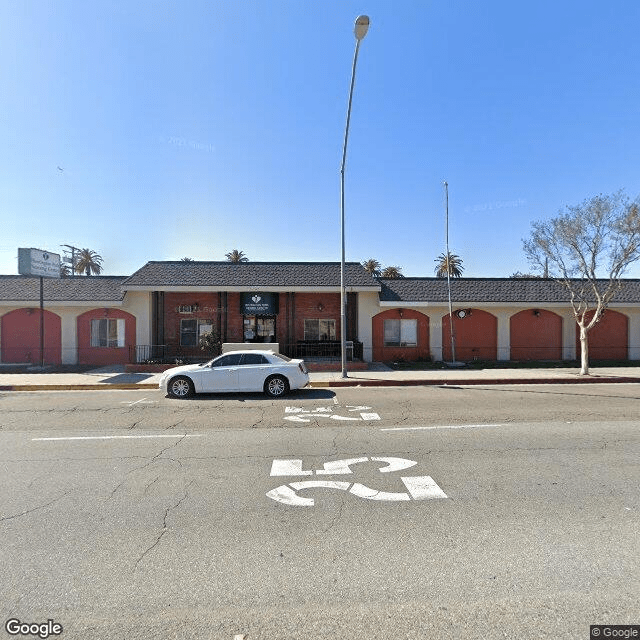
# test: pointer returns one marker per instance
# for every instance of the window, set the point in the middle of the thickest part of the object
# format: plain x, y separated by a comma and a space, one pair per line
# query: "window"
187, 308
254, 358
188, 333
400, 333
107, 332
315, 329
230, 360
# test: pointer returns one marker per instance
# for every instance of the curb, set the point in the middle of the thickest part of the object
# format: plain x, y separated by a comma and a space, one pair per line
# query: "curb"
75, 387
470, 381
353, 382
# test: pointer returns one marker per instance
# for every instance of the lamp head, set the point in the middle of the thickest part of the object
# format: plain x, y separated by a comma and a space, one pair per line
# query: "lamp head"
361, 27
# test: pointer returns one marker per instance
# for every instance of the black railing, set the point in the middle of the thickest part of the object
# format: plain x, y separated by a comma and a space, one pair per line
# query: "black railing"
167, 354
321, 349
307, 349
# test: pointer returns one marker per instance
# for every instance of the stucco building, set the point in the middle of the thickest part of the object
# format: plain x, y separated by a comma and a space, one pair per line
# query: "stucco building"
164, 308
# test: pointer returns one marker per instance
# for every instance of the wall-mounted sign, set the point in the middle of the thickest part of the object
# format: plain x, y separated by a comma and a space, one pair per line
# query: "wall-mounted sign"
35, 262
259, 304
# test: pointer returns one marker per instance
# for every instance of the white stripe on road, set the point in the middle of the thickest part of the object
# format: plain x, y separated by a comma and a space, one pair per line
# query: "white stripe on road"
175, 435
454, 426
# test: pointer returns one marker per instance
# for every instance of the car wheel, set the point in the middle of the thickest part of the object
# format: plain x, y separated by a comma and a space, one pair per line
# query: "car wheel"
276, 386
180, 387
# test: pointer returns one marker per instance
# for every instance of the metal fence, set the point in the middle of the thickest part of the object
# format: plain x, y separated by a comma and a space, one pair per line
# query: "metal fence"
307, 349
167, 354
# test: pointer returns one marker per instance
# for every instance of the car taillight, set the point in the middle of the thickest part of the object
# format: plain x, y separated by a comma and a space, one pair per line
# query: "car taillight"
302, 367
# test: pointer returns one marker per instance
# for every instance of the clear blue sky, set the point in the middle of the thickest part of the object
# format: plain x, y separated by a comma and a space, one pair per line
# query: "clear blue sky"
195, 127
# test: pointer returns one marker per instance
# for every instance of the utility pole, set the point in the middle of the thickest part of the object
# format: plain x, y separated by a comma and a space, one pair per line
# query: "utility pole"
453, 341
73, 255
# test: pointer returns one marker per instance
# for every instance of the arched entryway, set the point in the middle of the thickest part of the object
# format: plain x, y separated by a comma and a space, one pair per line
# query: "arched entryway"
20, 337
400, 334
608, 339
536, 334
476, 336
104, 336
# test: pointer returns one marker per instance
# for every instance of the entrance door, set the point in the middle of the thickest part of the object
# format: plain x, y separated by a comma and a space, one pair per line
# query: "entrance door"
259, 328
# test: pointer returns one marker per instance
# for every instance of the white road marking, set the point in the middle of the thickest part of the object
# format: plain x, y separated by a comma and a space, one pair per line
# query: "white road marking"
296, 419
419, 487
370, 416
454, 426
288, 468
352, 407
368, 493
175, 435
143, 400
395, 464
287, 495
423, 488
293, 466
339, 467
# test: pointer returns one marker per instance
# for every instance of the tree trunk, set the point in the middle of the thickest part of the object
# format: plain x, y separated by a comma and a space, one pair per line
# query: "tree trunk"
584, 352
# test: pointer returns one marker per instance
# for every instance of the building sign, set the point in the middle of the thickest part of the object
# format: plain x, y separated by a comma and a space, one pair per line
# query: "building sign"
35, 262
259, 304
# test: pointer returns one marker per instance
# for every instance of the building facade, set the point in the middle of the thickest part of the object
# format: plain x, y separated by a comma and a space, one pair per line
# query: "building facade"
163, 310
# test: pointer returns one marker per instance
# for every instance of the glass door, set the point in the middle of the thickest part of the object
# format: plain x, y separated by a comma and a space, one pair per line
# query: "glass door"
259, 328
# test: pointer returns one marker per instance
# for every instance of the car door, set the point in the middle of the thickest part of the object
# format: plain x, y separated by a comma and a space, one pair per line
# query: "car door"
252, 372
222, 375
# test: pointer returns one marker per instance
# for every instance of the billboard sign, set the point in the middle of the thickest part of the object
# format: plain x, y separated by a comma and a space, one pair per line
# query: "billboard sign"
36, 262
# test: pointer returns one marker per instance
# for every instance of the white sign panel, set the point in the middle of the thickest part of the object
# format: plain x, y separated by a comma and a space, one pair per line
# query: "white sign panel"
35, 262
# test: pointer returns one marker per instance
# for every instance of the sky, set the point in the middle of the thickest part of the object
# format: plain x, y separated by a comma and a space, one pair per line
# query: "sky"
157, 130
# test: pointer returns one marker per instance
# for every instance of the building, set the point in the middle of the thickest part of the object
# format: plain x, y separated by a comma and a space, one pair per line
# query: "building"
163, 309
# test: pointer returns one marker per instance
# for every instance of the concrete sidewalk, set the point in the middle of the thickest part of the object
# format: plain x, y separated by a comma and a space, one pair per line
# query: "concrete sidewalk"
107, 378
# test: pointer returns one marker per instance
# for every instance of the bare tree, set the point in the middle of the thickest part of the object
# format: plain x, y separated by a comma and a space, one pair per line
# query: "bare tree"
587, 248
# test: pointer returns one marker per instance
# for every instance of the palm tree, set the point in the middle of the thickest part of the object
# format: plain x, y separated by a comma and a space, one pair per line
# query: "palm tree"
392, 272
89, 262
236, 256
372, 266
449, 263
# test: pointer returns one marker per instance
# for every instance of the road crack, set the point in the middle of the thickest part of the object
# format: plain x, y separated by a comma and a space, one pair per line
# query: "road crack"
165, 527
42, 506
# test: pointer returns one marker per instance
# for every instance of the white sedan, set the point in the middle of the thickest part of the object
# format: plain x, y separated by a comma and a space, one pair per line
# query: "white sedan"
250, 370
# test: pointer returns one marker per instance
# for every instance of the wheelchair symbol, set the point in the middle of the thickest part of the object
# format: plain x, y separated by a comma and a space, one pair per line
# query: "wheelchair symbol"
418, 487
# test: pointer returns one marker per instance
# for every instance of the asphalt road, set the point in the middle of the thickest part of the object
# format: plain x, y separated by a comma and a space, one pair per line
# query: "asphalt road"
129, 515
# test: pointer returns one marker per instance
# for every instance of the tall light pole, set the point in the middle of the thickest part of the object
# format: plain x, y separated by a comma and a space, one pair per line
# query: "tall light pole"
360, 31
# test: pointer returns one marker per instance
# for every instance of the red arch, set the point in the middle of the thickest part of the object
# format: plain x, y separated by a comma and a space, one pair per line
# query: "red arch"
20, 336
536, 334
104, 355
476, 336
385, 354
608, 339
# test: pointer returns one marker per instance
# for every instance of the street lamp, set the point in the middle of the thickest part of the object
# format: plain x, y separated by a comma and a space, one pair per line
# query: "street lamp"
360, 31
